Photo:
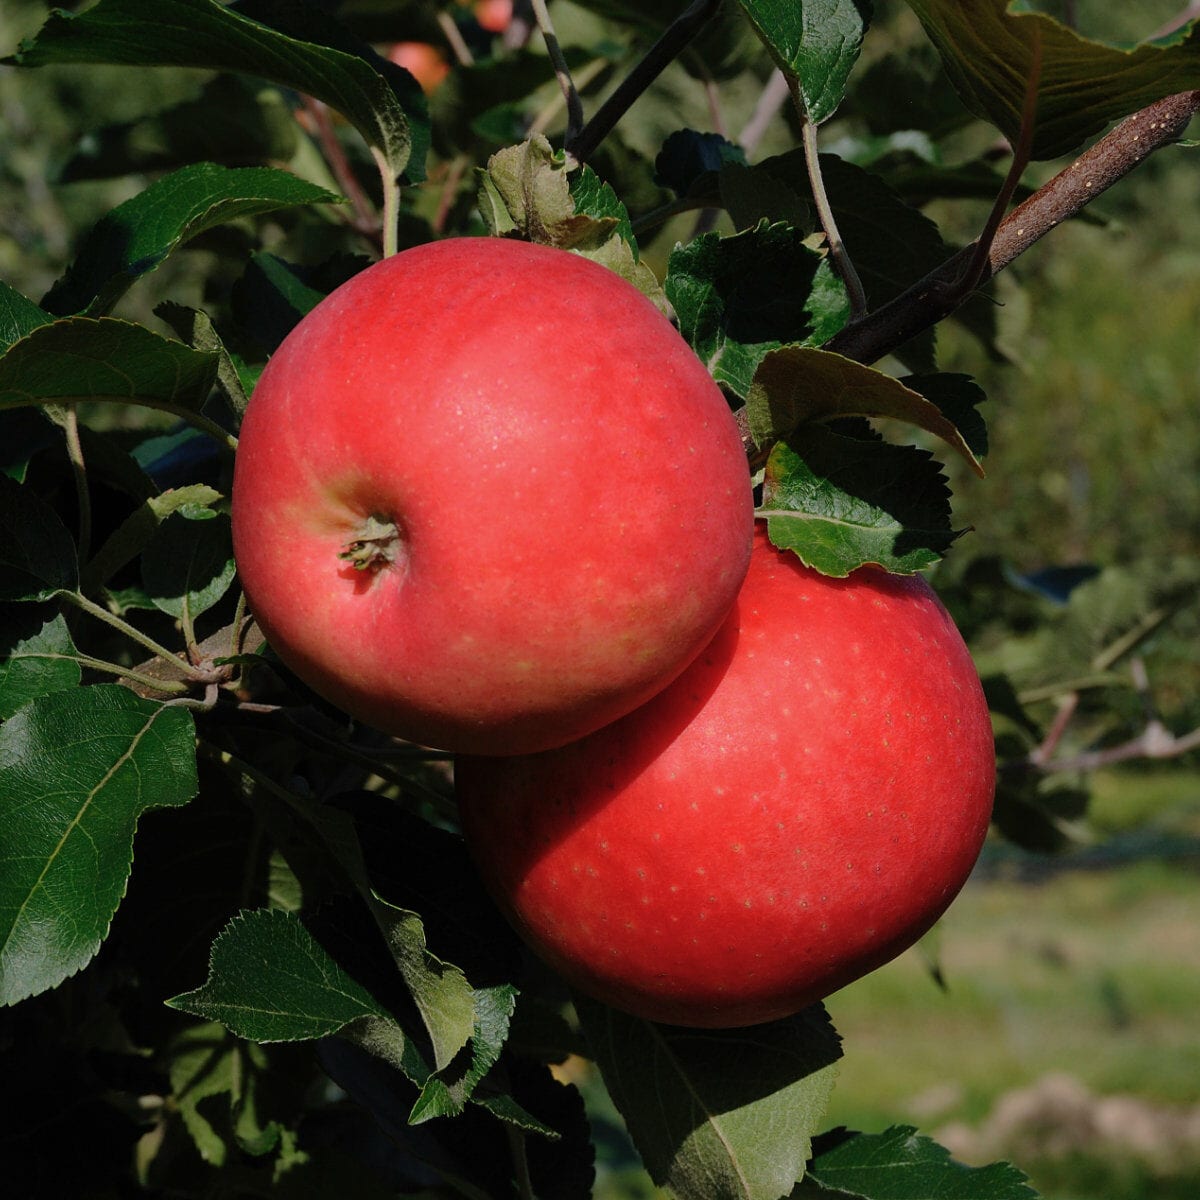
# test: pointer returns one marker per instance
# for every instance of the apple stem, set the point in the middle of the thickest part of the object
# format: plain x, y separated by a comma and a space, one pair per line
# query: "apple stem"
375, 546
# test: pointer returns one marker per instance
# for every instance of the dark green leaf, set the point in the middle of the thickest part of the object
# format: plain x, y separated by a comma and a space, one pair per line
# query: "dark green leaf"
443, 995
135, 237
77, 770
381, 101
18, 316
841, 502
270, 980
816, 42
37, 555
958, 398
446, 1093
37, 657
689, 159
137, 531
188, 566
24, 432
891, 244
752, 194
235, 121
85, 358
738, 298
718, 1114
899, 1164
196, 329
989, 50
796, 384
271, 297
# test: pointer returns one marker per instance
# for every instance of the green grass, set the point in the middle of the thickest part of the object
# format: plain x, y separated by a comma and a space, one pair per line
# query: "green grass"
1094, 974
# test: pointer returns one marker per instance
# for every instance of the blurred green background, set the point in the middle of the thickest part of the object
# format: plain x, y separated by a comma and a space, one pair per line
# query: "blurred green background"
1065, 1034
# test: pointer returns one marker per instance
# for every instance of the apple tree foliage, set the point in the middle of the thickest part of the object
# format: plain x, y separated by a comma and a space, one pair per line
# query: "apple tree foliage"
291, 984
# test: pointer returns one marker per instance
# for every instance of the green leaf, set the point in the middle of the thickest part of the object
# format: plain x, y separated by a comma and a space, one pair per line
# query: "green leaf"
898, 1164
815, 42
443, 995
188, 566
738, 298
718, 1114
77, 770
270, 980
958, 397
37, 554
528, 191
135, 237
272, 297
232, 120
137, 531
288, 45
206, 1065
989, 51
689, 160
86, 358
797, 385
37, 657
841, 502
24, 433
196, 329
891, 243
446, 1093
18, 316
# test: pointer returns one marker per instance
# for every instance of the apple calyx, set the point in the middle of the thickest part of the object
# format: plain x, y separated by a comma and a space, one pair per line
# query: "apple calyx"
375, 547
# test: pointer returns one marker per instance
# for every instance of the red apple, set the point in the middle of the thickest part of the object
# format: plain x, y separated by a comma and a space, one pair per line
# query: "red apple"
487, 499
796, 809
493, 15
425, 62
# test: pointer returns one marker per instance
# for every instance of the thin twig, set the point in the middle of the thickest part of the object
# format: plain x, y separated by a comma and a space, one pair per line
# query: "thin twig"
775, 92
838, 253
135, 635
1154, 742
1178, 21
561, 71
977, 268
454, 38
669, 46
366, 219
70, 427
1067, 708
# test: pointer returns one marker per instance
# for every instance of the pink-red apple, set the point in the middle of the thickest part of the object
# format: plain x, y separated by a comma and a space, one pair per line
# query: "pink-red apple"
426, 63
797, 808
487, 499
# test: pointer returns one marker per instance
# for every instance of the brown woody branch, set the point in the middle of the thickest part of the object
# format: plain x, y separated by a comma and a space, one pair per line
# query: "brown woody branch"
1067, 194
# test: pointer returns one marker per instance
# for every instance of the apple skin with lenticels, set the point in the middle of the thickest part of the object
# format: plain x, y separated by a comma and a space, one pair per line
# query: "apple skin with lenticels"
487, 499
796, 809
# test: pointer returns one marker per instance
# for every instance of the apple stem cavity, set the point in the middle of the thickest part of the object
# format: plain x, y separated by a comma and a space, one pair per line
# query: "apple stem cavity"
375, 546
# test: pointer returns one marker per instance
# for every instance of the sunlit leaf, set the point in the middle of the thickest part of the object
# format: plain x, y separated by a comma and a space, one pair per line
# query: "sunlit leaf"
719, 1114
989, 51
270, 980
841, 502
817, 42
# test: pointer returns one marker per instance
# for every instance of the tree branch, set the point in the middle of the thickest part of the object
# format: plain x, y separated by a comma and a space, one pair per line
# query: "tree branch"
1068, 193
668, 47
